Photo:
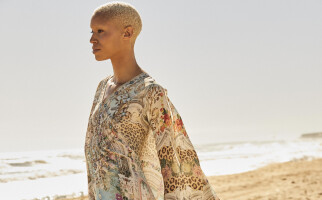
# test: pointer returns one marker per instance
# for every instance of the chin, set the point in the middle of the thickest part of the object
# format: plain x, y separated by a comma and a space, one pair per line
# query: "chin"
98, 58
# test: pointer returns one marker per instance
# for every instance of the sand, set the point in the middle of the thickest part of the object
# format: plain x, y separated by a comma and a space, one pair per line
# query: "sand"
299, 179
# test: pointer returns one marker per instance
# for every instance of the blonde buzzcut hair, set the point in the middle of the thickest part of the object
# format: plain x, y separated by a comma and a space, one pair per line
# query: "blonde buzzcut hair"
124, 14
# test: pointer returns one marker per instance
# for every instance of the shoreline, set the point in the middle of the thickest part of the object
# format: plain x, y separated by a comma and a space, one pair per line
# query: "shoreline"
296, 179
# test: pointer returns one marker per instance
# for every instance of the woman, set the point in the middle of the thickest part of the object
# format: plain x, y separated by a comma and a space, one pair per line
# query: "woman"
136, 143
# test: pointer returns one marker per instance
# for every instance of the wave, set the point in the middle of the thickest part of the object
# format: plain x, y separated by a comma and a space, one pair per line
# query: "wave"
27, 163
33, 175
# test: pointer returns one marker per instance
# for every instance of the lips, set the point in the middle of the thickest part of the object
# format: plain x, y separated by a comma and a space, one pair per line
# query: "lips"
95, 50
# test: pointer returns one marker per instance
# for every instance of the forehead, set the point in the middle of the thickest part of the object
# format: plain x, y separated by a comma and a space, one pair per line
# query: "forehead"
99, 22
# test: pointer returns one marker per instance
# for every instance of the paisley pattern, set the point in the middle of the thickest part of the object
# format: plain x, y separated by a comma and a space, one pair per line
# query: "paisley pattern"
137, 147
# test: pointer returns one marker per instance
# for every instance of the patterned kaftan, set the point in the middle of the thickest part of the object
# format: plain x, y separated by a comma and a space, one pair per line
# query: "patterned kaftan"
137, 147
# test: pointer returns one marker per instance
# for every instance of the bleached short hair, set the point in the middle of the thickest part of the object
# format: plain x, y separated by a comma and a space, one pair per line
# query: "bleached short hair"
123, 14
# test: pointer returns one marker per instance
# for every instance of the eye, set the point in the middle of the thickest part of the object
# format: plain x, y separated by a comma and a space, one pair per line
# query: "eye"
99, 31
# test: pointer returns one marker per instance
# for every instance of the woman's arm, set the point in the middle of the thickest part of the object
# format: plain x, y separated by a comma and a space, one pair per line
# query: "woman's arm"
180, 166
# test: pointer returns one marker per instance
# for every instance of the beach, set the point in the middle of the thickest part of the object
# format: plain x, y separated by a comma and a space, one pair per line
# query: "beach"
297, 179
236, 170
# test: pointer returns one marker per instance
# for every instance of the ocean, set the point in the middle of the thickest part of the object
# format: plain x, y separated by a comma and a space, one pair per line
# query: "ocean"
56, 174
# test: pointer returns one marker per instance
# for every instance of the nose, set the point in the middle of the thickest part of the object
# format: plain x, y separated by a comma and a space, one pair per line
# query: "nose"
93, 40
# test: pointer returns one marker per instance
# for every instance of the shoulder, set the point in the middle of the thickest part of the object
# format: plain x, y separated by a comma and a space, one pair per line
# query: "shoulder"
101, 84
151, 85
103, 81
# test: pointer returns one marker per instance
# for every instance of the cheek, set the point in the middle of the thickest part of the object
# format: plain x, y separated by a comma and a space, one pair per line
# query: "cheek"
109, 42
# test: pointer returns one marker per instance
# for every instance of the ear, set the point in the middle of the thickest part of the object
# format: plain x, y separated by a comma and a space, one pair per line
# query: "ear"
128, 32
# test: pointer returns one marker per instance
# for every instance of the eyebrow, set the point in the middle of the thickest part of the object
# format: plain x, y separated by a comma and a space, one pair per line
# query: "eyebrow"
94, 26
99, 26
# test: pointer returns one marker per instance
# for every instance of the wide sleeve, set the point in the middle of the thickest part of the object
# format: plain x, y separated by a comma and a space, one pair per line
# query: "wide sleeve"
182, 175
89, 128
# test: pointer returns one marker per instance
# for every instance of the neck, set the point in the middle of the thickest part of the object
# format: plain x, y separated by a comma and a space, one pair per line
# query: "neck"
125, 68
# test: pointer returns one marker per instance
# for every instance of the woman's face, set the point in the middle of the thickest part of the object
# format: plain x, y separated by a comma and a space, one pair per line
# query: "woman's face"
106, 38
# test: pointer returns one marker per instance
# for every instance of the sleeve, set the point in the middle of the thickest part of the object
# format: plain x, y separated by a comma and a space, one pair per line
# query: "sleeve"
182, 175
88, 172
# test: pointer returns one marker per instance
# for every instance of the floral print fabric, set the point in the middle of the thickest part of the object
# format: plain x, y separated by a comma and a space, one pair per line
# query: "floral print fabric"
137, 147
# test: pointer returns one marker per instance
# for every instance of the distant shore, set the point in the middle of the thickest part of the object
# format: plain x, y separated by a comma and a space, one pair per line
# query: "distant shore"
312, 135
300, 179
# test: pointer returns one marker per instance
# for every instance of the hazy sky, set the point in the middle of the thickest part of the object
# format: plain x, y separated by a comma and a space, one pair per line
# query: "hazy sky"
235, 70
